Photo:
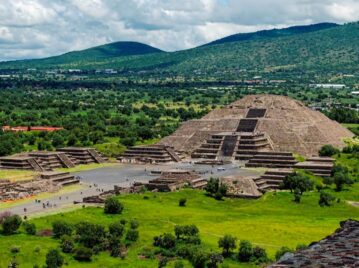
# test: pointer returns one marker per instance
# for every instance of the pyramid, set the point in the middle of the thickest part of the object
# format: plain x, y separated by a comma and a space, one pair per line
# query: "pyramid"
285, 124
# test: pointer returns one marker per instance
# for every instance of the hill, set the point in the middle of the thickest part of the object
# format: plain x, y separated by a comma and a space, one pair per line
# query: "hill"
267, 34
99, 53
333, 49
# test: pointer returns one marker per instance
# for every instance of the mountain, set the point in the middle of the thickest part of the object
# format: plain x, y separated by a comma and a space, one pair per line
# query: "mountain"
98, 53
267, 34
331, 49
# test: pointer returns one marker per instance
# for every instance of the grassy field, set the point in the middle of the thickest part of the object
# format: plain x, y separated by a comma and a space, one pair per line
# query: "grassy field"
271, 222
16, 175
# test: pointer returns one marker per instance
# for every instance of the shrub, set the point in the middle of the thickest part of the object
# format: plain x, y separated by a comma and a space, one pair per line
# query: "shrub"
37, 249
116, 229
216, 189
166, 241
245, 251
214, 259
163, 262
60, 228
83, 254
325, 199
30, 228
113, 206
54, 259
182, 202
132, 235
259, 255
11, 224
90, 234
134, 224
67, 244
14, 249
178, 264
328, 150
227, 243
198, 259
341, 179
281, 252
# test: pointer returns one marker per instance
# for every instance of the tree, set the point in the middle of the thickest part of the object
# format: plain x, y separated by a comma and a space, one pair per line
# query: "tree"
83, 254
54, 259
60, 228
116, 229
198, 259
216, 189
259, 255
227, 243
245, 251
341, 179
90, 234
166, 241
67, 244
134, 224
113, 206
132, 235
214, 259
11, 224
328, 150
30, 228
182, 202
297, 184
325, 199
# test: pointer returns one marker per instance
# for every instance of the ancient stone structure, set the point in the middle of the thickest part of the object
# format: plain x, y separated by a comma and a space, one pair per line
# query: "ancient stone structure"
59, 178
272, 179
319, 166
238, 186
46, 161
340, 249
257, 123
80, 155
150, 154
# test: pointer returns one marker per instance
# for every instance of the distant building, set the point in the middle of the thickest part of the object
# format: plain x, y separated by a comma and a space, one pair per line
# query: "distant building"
25, 129
334, 86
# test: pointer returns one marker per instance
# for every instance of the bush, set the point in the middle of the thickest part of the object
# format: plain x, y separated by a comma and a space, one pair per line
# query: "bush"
83, 254
182, 202
216, 189
67, 244
30, 228
325, 199
166, 241
198, 259
178, 264
245, 251
90, 234
227, 243
281, 252
113, 206
60, 228
328, 150
132, 235
14, 249
214, 259
11, 224
134, 224
163, 262
54, 259
259, 255
116, 229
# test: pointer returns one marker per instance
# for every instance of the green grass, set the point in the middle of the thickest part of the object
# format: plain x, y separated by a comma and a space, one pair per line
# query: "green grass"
271, 222
16, 175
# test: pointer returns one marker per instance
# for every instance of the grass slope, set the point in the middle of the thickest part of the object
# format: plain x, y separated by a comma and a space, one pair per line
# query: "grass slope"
271, 222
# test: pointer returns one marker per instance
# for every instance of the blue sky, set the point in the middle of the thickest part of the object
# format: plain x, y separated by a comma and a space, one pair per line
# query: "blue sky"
40, 28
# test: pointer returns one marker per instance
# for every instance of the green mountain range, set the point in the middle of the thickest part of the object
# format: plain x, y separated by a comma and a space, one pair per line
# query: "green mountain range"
320, 48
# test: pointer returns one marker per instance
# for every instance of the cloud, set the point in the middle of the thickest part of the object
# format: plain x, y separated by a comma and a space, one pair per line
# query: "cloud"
40, 28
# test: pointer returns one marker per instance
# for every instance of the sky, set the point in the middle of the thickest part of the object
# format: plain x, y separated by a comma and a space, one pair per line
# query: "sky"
42, 28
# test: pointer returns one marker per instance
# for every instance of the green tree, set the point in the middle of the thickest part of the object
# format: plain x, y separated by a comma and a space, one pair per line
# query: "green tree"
11, 224
245, 251
227, 243
116, 229
60, 228
83, 254
54, 259
30, 228
113, 206
328, 150
67, 244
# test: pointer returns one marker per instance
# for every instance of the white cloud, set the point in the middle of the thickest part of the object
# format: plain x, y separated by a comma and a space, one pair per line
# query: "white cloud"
39, 28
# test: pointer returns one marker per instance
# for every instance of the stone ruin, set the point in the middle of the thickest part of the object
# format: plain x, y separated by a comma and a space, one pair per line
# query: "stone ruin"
45, 182
150, 154
45, 161
257, 124
340, 249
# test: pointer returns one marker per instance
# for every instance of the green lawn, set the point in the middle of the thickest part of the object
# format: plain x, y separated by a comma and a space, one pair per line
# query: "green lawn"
271, 222
16, 175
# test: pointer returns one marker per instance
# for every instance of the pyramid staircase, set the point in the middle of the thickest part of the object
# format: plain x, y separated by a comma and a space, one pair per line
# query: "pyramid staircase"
272, 160
21, 162
52, 160
272, 179
150, 154
319, 166
60, 178
79, 155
